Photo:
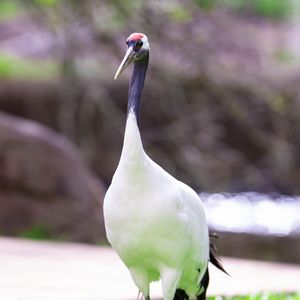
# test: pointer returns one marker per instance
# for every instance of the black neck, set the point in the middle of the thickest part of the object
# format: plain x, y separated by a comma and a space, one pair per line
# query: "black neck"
136, 87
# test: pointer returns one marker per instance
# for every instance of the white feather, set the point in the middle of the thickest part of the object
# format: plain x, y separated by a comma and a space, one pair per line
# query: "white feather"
155, 223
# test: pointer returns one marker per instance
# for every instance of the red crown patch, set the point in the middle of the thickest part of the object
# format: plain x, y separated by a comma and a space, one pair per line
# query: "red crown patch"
135, 37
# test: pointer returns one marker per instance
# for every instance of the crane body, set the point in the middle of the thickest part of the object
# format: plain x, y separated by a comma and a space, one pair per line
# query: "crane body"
154, 222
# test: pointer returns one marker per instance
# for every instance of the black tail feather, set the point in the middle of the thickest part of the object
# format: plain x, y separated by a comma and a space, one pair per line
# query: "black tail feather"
204, 284
214, 259
181, 295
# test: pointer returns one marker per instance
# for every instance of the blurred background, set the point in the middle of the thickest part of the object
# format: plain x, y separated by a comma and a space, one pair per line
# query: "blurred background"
221, 112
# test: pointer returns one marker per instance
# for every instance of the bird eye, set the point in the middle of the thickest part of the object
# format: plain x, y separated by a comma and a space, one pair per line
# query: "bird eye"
138, 45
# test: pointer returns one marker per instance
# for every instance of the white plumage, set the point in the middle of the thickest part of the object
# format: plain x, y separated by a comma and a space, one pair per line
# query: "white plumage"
154, 222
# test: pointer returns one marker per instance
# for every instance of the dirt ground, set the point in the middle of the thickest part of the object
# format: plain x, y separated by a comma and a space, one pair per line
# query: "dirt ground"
33, 270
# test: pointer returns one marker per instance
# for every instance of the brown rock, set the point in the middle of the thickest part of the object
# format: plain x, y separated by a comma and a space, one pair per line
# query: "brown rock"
45, 184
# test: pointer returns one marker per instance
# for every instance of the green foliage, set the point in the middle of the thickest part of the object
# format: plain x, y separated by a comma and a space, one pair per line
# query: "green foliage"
285, 57
206, 4
272, 9
180, 14
9, 9
38, 232
46, 3
261, 296
13, 67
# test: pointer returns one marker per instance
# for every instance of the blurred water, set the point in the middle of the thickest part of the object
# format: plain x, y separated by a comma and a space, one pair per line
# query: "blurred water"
253, 213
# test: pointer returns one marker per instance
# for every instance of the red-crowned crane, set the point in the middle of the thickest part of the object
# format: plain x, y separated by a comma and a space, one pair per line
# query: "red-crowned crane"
154, 222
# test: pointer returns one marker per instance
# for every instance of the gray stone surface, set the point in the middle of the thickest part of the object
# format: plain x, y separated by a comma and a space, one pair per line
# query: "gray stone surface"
45, 186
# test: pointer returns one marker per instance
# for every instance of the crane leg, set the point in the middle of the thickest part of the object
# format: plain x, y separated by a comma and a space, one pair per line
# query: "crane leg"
141, 297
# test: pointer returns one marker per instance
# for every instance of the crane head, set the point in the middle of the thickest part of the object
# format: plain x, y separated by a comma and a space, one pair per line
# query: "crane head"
138, 49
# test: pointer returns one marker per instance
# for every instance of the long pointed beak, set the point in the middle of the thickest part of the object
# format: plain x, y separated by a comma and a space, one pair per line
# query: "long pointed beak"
127, 60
